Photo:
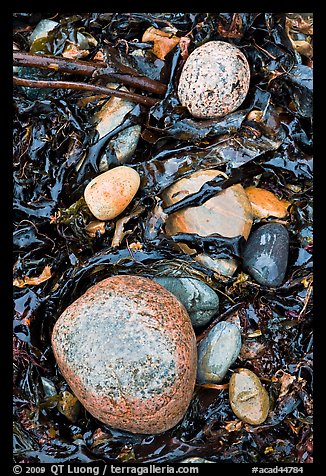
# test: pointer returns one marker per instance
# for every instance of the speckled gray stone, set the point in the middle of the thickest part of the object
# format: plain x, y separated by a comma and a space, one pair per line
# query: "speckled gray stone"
199, 299
128, 351
217, 352
265, 256
214, 80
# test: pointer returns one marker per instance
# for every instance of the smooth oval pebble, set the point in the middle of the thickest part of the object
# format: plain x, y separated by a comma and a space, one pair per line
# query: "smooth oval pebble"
265, 255
228, 213
248, 398
108, 194
265, 204
217, 352
214, 80
128, 351
200, 301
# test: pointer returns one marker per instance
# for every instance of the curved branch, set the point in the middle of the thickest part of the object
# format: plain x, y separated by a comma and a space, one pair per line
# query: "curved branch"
88, 68
137, 98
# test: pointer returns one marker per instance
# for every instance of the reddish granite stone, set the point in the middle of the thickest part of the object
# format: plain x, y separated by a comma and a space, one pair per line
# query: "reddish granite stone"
128, 351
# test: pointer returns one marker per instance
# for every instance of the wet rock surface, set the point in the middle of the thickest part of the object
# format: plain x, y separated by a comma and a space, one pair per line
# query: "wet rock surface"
265, 204
110, 116
265, 256
200, 301
60, 250
214, 80
217, 352
248, 398
228, 214
128, 351
108, 194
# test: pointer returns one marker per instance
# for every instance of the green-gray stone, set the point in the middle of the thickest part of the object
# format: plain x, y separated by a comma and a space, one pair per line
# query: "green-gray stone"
217, 352
200, 301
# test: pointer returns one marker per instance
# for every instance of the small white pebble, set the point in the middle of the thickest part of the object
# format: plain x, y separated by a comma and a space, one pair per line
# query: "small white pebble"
214, 80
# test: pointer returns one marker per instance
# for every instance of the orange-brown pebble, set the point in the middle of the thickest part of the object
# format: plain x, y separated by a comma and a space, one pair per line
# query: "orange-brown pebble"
248, 398
265, 204
108, 194
228, 213
128, 351
163, 42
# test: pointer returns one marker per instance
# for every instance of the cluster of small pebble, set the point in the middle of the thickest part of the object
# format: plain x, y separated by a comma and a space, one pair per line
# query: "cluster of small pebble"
127, 347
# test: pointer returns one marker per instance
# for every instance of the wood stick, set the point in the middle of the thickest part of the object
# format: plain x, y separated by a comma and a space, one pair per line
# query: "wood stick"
88, 68
137, 98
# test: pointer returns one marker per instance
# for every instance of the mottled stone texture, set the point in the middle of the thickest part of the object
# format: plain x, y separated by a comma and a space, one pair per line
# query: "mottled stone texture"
265, 256
248, 398
228, 213
128, 351
214, 80
108, 194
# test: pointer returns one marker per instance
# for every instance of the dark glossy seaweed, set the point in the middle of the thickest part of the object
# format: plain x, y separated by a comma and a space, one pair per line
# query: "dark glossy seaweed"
52, 133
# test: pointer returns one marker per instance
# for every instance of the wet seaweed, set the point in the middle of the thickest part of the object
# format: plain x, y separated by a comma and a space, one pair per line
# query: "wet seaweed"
267, 142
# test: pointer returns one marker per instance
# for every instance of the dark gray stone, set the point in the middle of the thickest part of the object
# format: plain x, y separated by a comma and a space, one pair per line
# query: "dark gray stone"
200, 301
265, 255
217, 352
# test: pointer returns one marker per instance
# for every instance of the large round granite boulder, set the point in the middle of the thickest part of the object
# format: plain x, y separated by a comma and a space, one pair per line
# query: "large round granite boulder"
128, 351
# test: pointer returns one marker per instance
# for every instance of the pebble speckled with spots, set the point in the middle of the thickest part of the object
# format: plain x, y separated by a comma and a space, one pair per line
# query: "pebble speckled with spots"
128, 351
214, 80
108, 194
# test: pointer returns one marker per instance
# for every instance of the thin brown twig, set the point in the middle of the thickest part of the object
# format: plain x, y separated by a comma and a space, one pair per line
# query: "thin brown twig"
137, 98
128, 76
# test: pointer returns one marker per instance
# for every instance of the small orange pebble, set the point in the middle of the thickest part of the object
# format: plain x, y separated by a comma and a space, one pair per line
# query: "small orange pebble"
265, 204
255, 115
108, 194
137, 246
99, 56
163, 42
